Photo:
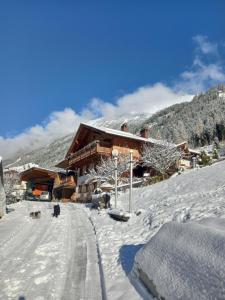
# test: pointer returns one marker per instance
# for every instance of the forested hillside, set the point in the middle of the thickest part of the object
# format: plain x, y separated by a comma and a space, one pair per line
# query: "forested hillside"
197, 122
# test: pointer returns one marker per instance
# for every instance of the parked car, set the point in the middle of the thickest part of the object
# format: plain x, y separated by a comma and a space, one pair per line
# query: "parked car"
45, 196
30, 197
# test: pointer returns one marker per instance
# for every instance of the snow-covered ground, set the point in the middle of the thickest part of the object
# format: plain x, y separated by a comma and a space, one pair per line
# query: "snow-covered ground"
193, 195
52, 258
48, 258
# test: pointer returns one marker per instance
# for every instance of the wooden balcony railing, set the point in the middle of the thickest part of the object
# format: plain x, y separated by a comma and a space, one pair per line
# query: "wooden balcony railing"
69, 180
93, 148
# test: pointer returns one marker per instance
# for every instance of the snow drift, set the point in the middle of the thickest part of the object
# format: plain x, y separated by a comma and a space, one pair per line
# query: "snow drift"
185, 261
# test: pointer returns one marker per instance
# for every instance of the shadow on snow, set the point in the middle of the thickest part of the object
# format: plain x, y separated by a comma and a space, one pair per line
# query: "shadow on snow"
127, 255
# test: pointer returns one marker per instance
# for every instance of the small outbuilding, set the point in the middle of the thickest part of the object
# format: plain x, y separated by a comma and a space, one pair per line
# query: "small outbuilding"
38, 180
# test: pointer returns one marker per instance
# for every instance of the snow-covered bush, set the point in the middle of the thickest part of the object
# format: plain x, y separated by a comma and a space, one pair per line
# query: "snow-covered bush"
204, 159
215, 154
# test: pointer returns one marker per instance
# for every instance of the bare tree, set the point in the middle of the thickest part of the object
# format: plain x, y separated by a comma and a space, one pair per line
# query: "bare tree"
161, 157
106, 168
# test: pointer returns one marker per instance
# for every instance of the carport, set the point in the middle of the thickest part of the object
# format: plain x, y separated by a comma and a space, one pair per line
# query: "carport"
38, 180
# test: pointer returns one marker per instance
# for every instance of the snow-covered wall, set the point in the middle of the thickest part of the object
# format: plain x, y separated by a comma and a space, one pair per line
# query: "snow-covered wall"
2, 192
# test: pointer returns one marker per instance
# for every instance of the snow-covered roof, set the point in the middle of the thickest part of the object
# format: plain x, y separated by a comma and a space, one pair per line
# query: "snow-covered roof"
114, 132
39, 168
122, 134
21, 168
181, 144
106, 185
194, 151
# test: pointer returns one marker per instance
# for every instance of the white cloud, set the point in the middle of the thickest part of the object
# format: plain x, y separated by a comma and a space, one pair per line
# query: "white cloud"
57, 125
200, 77
147, 99
204, 45
207, 70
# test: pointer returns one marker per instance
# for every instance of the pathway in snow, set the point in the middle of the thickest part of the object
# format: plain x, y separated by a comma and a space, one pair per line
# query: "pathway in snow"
48, 258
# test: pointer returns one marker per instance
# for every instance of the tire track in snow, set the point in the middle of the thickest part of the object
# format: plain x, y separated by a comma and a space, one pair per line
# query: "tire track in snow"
84, 267
51, 258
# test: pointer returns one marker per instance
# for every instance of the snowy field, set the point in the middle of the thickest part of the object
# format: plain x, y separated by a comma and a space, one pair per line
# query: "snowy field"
48, 258
194, 195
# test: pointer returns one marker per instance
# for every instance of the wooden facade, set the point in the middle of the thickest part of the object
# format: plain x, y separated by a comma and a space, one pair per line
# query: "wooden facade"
92, 143
65, 187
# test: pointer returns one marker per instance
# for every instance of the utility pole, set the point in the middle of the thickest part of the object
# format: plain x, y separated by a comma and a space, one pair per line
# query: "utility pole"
131, 181
115, 156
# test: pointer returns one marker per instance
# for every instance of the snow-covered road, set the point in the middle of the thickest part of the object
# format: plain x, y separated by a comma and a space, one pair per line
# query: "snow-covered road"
48, 258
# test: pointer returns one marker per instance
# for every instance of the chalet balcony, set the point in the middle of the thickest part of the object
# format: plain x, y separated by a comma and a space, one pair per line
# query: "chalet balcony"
67, 181
91, 149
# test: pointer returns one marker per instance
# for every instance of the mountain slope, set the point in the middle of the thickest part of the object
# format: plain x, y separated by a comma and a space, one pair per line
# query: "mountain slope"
197, 122
46, 157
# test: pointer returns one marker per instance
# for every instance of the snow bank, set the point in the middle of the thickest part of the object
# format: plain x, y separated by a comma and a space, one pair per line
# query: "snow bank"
191, 196
185, 261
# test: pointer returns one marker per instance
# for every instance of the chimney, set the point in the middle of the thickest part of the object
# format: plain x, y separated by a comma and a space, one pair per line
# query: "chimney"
124, 127
144, 132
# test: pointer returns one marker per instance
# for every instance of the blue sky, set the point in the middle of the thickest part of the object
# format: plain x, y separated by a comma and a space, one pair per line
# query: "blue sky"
91, 56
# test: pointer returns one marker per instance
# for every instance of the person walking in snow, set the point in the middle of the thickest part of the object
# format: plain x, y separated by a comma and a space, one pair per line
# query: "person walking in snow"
56, 210
106, 197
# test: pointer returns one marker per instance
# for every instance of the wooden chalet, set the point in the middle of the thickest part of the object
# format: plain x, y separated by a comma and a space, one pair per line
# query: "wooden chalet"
91, 143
